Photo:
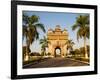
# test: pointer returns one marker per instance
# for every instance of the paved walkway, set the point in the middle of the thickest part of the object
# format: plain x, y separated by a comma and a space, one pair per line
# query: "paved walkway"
56, 62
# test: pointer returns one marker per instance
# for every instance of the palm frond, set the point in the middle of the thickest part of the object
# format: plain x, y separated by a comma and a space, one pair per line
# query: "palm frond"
74, 26
25, 18
41, 41
34, 19
70, 44
41, 26
44, 42
24, 30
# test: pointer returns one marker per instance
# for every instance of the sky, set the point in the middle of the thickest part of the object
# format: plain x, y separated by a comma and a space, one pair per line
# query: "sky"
50, 20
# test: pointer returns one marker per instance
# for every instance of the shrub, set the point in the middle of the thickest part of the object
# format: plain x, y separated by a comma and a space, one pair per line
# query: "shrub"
35, 54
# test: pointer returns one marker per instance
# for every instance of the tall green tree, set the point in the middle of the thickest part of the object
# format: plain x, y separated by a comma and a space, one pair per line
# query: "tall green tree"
30, 30
44, 43
70, 44
82, 24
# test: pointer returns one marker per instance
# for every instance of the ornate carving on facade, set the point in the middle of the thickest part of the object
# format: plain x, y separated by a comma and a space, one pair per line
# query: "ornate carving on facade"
57, 39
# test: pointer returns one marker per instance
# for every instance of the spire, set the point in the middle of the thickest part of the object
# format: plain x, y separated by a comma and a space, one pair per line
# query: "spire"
57, 28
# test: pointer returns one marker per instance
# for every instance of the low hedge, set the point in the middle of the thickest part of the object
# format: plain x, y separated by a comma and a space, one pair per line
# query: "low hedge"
82, 59
79, 58
34, 59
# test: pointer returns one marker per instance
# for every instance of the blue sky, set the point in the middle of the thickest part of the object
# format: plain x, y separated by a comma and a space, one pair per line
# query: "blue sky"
50, 20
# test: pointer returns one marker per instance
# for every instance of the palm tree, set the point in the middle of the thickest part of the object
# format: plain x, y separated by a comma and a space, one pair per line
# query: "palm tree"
70, 44
82, 24
44, 42
30, 30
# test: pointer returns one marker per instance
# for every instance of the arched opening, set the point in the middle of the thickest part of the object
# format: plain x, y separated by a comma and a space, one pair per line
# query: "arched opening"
57, 52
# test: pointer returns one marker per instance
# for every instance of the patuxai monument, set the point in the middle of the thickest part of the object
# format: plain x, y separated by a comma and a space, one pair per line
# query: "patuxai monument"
57, 40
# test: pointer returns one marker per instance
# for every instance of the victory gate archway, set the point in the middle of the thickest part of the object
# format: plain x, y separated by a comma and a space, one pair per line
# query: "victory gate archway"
57, 40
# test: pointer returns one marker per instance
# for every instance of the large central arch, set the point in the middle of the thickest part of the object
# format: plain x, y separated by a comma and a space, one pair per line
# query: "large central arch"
57, 52
57, 39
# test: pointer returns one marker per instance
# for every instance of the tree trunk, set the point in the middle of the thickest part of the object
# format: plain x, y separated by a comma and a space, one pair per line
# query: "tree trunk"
86, 55
44, 52
27, 52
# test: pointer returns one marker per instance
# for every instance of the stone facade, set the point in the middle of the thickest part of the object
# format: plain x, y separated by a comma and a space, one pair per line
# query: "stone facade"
57, 39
